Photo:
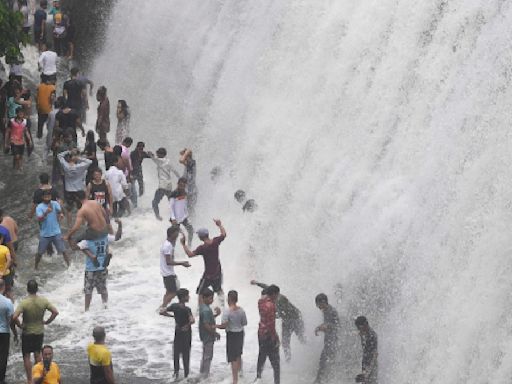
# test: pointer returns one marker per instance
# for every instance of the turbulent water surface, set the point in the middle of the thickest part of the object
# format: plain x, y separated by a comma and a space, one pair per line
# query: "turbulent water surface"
374, 137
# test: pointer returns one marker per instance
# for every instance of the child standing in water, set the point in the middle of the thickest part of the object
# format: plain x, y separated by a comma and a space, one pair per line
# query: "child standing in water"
16, 135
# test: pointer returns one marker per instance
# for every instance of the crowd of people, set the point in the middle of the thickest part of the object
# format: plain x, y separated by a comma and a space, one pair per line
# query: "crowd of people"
90, 195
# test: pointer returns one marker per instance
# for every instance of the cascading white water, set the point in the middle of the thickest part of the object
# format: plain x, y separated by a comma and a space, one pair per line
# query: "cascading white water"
374, 136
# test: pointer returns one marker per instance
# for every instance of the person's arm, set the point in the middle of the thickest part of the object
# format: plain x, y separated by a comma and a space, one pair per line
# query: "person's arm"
109, 374
42, 216
61, 156
78, 223
187, 250
88, 190
109, 198
27, 137
12, 325
218, 223
7, 135
124, 183
261, 285
7, 264
54, 314
172, 202
175, 172
119, 232
183, 157
170, 261
65, 92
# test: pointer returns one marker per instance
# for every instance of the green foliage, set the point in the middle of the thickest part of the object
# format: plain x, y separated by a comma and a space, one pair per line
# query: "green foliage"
11, 33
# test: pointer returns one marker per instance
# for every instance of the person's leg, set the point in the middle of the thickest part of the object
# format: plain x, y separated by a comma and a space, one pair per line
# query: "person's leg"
41, 119
88, 288
235, 369
133, 194
322, 367
186, 354
27, 363
61, 248
102, 287
159, 194
287, 334
4, 354
140, 181
207, 359
275, 362
41, 249
190, 231
176, 353
262, 356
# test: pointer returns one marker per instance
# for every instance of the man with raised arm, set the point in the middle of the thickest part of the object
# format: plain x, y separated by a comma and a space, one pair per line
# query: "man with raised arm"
212, 276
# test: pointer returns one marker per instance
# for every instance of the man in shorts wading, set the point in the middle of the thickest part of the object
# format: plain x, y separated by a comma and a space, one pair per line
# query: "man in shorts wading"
91, 213
32, 309
167, 264
212, 276
48, 214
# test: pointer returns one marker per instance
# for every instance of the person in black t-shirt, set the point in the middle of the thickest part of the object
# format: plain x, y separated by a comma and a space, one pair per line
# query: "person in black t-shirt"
100, 191
183, 331
137, 156
75, 93
68, 120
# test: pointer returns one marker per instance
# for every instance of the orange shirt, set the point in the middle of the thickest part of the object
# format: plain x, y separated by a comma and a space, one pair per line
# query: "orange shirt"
43, 98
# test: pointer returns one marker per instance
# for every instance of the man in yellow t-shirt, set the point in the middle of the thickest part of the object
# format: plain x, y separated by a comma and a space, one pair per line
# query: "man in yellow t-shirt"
44, 104
100, 359
5, 272
46, 371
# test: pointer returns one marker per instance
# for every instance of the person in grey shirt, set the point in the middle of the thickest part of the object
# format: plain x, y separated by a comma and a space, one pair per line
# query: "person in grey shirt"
233, 321
369, 343
330, 327
75, 170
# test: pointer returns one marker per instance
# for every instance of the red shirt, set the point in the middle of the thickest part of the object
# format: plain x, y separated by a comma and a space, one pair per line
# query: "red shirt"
267, 325
18, 131
210, 253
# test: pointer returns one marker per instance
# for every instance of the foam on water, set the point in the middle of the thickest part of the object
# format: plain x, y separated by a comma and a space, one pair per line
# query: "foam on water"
375, 139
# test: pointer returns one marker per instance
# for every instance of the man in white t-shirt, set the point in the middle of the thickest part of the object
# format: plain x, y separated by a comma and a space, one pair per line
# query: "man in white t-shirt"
117, 180
167, 264
47, 64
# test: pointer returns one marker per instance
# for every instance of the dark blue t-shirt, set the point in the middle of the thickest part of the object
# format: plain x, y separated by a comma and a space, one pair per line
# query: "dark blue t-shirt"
5, 233
39, 16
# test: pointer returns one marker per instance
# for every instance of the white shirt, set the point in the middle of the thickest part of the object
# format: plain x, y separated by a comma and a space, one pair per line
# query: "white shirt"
117, 181
165, 269
48, 63
164, 169
178, 204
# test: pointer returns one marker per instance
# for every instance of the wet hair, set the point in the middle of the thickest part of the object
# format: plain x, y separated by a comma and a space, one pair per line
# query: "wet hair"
141, 144
240, 195
361, 320
102, 91
102, 144
207, 292
233, 296
47, 192
97, 170
321, 298
272, 290
90, 136
98, 333
32, 286
124, 106
60, 102
46, 347
117, 150
74, 71
182, 180
19, 109
115, 159
44, 178
182, 293
162, 152
172, 230
250, 206
128, 141
80, 195
43, 3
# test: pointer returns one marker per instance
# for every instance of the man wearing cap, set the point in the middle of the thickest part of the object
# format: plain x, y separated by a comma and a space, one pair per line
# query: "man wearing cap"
212, 276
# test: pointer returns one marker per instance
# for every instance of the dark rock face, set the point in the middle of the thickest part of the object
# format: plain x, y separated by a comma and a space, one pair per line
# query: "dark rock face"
90, 19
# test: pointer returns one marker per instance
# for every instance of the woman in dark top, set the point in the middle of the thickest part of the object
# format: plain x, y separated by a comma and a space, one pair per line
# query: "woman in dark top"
90, 153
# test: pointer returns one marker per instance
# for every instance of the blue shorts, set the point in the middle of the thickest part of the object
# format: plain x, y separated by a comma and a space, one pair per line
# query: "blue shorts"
45, 241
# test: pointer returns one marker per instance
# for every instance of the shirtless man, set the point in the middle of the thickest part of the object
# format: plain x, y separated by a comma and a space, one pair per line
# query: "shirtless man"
91, 213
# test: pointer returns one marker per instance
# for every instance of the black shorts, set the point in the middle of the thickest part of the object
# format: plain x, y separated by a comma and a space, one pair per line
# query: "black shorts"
170, 283
234, 345
31, 343
216, 284
17, 149
72, 199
